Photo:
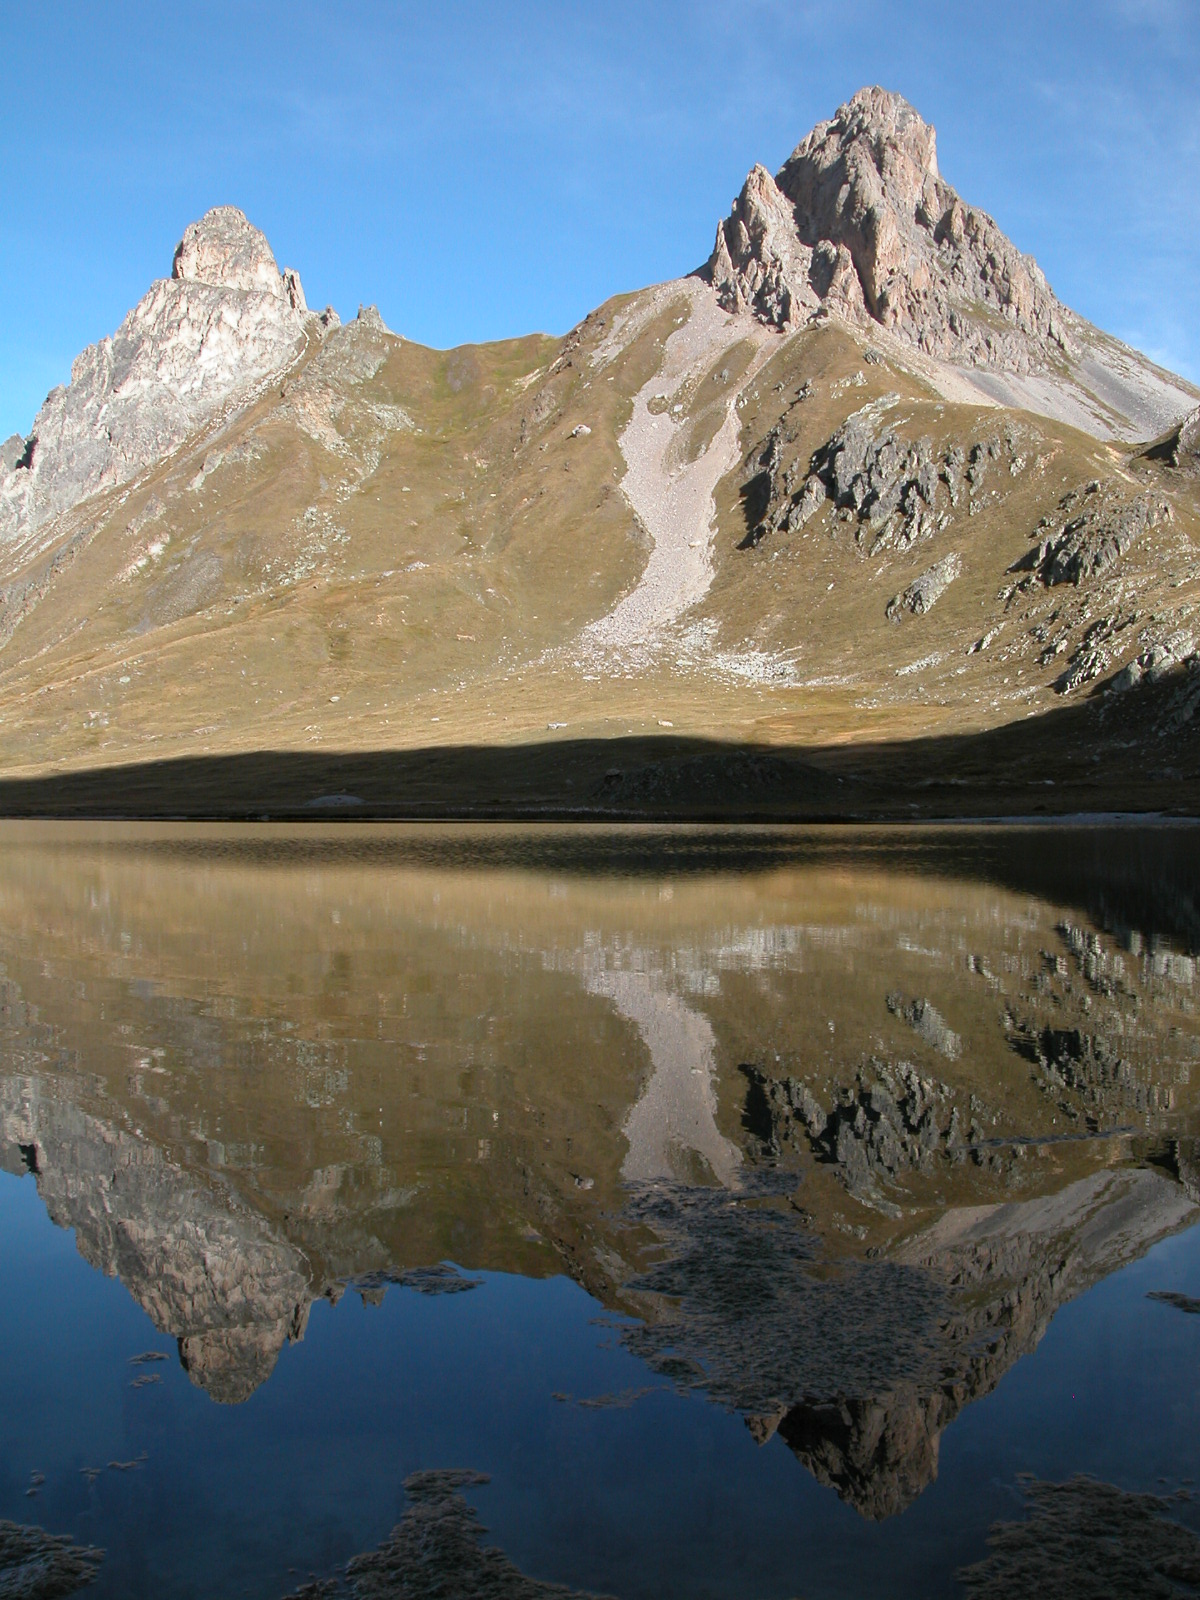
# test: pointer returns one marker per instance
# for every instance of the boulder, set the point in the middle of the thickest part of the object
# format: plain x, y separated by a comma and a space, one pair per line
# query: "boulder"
924, 592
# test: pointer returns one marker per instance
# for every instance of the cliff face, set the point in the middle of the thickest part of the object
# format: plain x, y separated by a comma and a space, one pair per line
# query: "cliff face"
226, 319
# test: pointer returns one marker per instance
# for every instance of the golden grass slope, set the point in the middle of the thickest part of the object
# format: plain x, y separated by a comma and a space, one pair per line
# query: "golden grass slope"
399, 549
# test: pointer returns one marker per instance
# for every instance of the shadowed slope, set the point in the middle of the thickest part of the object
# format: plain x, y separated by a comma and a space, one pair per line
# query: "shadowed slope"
1072, 759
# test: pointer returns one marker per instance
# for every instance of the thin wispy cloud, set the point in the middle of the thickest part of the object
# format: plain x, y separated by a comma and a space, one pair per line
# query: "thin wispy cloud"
1173, 18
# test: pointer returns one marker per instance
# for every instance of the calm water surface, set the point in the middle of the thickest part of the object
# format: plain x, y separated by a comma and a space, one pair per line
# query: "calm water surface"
756, 1214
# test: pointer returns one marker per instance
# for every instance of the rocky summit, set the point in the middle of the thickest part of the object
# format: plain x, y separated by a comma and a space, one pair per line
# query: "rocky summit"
225, 251
859, 220
858, 519
225, 319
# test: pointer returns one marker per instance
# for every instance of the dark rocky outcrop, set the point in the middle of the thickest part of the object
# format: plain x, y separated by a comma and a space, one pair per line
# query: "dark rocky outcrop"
36, 1565
739, 1309
1087, 1540
878, 476
1186, 1303
890, 1121
436, 1551
927, 1022
923, 593
895, 490
436, 1280
1093, 1070
1175, 650
1094, 526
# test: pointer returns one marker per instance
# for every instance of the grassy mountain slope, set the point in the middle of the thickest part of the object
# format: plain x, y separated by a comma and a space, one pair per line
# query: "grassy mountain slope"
566, 542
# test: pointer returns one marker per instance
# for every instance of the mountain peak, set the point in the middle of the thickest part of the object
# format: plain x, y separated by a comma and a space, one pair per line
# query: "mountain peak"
226, 251
884, 122
224, 320
864, 187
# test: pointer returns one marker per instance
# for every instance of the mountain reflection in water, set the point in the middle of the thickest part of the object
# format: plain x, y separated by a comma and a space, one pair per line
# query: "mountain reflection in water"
829, 1124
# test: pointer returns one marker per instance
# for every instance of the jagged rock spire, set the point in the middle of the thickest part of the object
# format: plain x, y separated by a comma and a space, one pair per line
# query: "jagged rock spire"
862, 198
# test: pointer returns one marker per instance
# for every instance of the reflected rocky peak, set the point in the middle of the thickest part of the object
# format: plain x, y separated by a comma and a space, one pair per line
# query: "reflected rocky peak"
840, 1138
861, 1364
207, 1271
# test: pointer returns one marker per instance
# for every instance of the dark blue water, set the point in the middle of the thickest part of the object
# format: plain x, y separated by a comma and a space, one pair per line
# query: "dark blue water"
665, 1495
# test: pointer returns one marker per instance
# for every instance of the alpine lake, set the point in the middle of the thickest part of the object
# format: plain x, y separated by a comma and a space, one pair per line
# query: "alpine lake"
629, 1211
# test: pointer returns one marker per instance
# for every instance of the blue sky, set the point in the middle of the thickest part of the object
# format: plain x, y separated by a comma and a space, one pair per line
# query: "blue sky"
484, 170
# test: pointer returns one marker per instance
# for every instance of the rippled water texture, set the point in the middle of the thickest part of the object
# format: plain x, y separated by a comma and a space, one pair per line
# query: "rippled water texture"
401, 1212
